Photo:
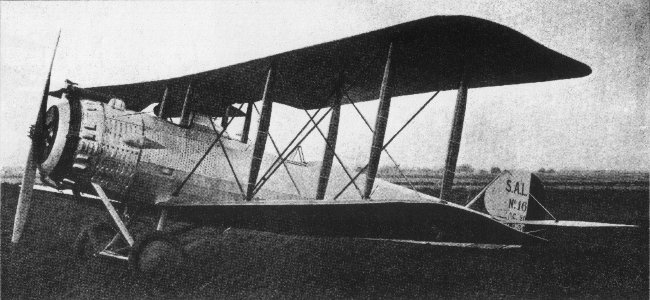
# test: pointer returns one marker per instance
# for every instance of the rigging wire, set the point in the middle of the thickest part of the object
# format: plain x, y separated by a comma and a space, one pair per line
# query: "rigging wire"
223, 148
196, 166
278, 151
389, 140
335, 155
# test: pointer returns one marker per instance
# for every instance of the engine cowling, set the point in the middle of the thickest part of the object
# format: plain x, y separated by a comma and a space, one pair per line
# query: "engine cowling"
84, 143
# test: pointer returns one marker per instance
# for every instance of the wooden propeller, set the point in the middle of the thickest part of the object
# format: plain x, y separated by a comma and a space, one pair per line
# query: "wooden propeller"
34, 157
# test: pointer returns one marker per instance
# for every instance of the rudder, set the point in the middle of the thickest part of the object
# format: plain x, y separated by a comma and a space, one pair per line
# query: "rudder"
515, 196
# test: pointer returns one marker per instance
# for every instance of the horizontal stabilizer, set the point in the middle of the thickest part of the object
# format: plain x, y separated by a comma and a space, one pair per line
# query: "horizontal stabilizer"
454, 244
566, 223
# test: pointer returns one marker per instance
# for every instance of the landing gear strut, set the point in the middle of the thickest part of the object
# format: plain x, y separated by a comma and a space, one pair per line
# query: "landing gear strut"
92, 240
156, 254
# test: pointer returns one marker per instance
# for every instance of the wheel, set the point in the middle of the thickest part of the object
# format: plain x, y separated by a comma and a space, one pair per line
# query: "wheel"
76, 194
92, 239
157, 255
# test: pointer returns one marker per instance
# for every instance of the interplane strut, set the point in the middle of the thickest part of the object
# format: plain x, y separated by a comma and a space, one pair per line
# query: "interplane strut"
329, 153
279, 158
380, 124
272, 169
454, 139
330, 141
247, 122
387, 143
331, 147
262, 130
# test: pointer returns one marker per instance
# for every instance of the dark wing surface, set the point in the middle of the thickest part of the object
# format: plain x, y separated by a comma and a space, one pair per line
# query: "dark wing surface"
418, 221
429, 54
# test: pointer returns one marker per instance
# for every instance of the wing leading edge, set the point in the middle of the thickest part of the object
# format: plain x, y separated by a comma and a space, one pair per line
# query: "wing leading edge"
430, 55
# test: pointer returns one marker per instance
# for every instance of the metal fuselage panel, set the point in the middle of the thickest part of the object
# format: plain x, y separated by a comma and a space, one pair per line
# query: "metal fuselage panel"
102, 156
162, 169
143, 158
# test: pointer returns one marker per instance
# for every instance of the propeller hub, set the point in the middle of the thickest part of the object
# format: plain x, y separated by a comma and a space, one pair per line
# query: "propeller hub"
58, 140
50, 132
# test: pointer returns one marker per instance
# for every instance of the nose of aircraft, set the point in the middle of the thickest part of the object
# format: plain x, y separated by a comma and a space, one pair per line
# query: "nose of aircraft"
51, 129
56, 129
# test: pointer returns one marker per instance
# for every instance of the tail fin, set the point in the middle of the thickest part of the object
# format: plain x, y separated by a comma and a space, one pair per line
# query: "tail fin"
515, 196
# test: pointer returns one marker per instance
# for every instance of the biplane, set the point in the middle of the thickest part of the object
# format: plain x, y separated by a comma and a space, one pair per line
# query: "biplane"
158, 146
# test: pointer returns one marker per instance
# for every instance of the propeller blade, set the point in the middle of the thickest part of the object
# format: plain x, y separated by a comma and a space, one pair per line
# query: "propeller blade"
34, 157
25, 197
38, 141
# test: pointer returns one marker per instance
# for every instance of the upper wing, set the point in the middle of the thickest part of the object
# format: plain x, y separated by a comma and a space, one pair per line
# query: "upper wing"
429, 55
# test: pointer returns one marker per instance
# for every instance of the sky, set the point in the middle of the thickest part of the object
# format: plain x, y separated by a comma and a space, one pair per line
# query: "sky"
595, 122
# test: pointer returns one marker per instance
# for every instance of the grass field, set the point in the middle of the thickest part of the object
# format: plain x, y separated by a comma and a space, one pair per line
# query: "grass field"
252, 264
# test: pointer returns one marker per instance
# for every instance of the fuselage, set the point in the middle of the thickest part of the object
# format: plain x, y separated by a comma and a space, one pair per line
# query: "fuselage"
138, 156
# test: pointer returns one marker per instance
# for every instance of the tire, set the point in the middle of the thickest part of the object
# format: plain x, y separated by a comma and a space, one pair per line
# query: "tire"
157, 255
92, 239
76, 194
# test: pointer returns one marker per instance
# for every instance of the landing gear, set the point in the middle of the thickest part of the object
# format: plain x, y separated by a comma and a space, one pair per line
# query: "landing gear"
76, 193
157, 255
100, 239
92, 239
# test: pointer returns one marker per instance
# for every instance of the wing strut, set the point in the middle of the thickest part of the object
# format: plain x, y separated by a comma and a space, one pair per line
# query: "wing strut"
247, 122
332, 134
187, 113
331, 147
380, 125
282, 158
262, 132
398, 132
454, 139
224, 118
387, 143
163, 108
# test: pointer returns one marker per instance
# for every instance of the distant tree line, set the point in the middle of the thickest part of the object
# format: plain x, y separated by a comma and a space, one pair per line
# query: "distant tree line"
549, 171
460, 169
